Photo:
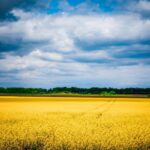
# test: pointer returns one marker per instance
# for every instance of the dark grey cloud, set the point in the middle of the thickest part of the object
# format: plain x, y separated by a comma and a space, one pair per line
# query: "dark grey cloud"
104, 44
118, 61
133, 54
135, 51
6, 47
8, 5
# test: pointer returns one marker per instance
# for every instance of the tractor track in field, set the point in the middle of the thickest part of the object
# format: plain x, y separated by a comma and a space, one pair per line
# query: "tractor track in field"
106, 107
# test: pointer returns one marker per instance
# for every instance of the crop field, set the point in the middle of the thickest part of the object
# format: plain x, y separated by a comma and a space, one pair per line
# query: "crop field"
70, 123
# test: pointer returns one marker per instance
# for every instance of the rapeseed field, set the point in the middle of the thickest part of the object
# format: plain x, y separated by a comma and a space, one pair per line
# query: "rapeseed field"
60, 123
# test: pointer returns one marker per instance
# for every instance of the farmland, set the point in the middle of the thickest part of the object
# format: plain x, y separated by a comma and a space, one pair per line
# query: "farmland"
74, 123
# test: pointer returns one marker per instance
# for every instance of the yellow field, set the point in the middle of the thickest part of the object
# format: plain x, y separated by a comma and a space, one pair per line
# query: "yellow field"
74, 123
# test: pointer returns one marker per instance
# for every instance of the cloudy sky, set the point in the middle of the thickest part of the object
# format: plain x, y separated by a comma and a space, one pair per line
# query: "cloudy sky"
83, 43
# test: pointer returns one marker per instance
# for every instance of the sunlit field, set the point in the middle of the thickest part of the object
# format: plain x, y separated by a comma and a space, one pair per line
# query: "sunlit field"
30, 123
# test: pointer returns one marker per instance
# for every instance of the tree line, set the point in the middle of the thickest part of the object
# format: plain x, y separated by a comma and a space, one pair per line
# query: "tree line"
74, 90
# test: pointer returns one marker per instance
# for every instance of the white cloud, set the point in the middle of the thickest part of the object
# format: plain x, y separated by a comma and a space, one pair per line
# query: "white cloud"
141, 5
46, 55
61, 31
11, 62
86, 7
32, 69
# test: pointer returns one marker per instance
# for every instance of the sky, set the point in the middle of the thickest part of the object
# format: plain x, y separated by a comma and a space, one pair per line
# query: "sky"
82, 43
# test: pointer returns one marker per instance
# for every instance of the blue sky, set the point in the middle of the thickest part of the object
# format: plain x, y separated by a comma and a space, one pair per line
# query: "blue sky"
83, 43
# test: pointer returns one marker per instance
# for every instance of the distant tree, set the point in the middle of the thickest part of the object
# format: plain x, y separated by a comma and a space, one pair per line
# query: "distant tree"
105, 93
93, 90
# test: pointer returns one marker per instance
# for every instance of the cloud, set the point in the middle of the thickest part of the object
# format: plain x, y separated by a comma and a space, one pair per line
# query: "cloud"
143, 5
140, 6
84, 7
63, 32
68, 6
75, 47
6, 6
33, 70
